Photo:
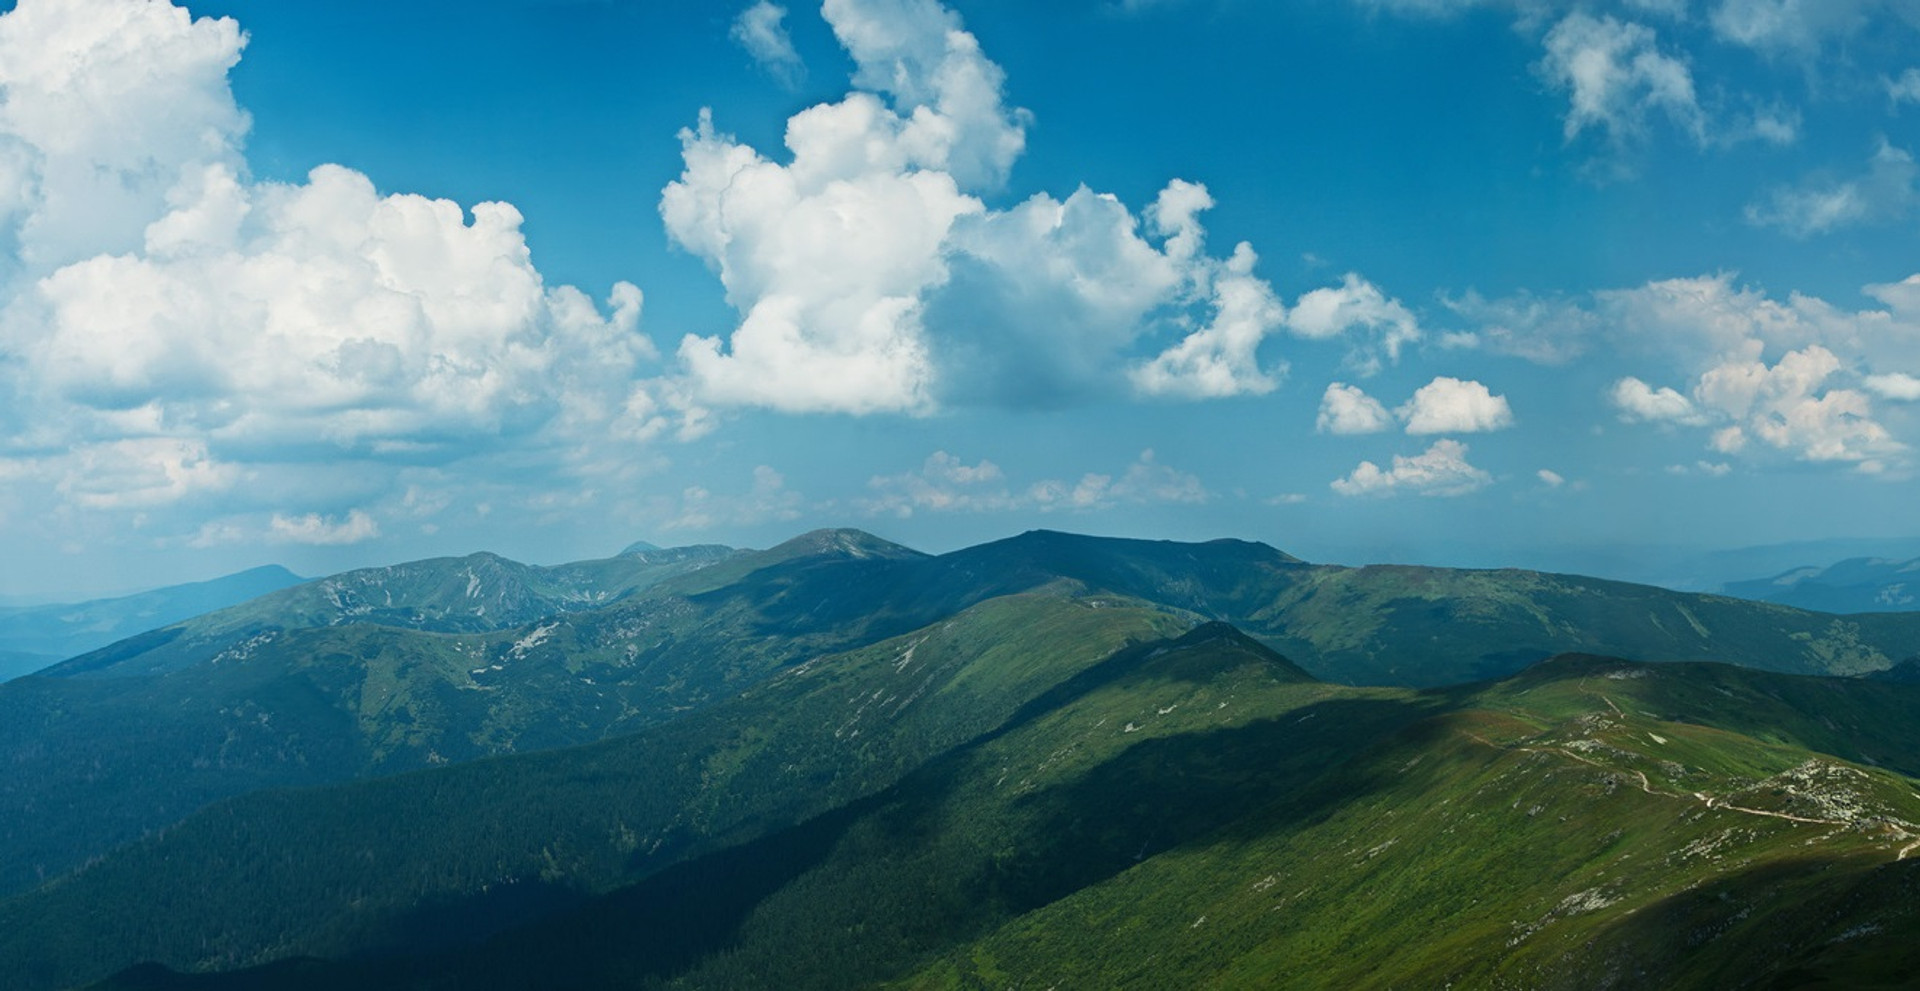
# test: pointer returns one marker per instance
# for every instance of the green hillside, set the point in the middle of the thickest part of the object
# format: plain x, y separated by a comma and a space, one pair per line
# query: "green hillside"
335, 869
444, 661
1189, 813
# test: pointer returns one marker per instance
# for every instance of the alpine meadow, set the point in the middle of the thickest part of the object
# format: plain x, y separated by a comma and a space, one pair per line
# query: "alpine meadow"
959, 495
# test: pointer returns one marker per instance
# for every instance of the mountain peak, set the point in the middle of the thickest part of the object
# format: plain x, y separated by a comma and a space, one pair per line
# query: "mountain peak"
842, 542
1216, 636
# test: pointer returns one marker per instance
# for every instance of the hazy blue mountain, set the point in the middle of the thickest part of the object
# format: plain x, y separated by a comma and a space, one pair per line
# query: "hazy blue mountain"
33, 637
1856, 585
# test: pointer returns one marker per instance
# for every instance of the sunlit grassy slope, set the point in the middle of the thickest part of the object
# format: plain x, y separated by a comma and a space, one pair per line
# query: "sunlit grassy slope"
1193, 812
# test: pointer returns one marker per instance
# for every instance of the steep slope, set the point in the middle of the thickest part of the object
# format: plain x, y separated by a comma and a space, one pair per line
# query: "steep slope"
1856, 585
35, 637
443, 854
1198, 814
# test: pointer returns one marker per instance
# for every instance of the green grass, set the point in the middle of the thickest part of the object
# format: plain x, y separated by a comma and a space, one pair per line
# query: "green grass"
1196, 813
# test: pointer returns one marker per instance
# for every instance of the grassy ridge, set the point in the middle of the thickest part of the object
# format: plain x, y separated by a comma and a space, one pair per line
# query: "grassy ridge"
1199, 814
442, 855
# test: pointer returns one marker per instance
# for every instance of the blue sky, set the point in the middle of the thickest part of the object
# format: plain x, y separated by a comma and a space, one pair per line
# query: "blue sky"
1476, 282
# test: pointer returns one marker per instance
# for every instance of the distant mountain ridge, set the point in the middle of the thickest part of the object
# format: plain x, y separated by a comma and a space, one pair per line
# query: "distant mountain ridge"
447, 661
33, 637
1856, 585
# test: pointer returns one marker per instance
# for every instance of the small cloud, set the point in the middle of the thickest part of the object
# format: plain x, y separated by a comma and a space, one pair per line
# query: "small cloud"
1544, 330
1615, 77
1442, 470
320, 530
1638, 401
1711, 469
762, 31
1333, 311
1896, 385
1885, 193
767, 501
1146, 481
1346, 409
1453, 406
944, 484
1905, 89
1551, 479
1287, 499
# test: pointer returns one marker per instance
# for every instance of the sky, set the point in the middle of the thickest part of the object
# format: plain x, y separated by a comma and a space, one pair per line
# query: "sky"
1535, 282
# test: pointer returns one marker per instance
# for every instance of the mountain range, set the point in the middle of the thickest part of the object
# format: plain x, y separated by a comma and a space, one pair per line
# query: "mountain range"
1856, 585
1052, 758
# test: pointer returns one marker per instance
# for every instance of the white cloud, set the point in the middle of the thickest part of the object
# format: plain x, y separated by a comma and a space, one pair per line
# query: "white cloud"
1550, 331
762, 31
1789, 407
944, 484
1219, 358
1550, 478
1146, 481
1905, 88
1346, 409
1452, 406
1793, 377
180, 328
137, 473
319, 530
1792, 26
767, 500
1442, 470
1886, 193
1637, 400
1333, 311
1894, 385
107, 105
1615, 76
871, 277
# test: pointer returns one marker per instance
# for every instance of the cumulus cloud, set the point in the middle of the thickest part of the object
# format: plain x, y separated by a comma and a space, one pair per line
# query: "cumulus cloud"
1346, 409
1616, 76
872, 277
1884, 194
761, 29
1441, 470
107, 104
1637, 400
1790, 407
1453, 406
316, 529
1791, 377
178, 326
1550, 478
1894, 385
1356, 304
